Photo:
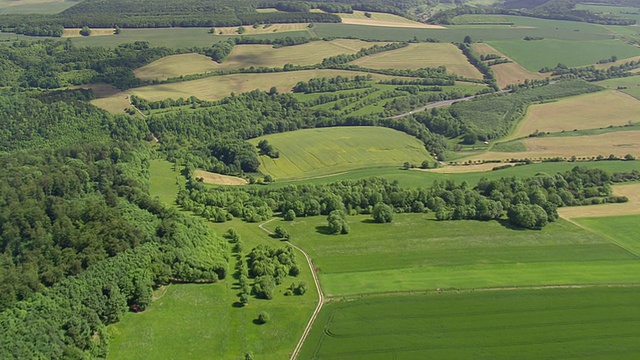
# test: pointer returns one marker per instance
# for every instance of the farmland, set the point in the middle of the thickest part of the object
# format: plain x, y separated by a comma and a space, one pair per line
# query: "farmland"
629, 85
580, 112
623, 229
422, 55
550, 323
632, 207
245, 56
384, 20
320, 152
507, 73
34, 6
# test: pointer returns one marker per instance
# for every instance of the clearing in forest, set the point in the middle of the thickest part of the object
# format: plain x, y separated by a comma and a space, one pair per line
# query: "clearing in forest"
218, 87
422, 55
218, 179
261, 29
587, 111
75, 32
245, 56
324, 151
383, 19
507, 73
632, 207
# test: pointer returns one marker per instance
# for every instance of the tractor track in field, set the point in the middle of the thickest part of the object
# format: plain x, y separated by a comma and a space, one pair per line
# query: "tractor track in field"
321, 298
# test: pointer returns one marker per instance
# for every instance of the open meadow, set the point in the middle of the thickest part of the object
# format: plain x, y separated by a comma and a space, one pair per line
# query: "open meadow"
628, 85
384, 20
507, 73
580, 112
598, 323
415, 253
260, 29
324, 151
34, 6
422, 55
245, 56
623, 229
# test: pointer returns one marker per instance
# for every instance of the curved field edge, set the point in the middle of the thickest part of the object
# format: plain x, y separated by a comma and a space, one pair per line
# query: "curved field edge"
527, 324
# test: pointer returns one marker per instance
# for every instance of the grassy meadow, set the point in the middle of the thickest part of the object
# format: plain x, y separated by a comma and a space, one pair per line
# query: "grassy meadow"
422, 55
621, 229
507, 73
629, 85
384, 20
415, 253
324, 151
580, 112
594, 323
34, 6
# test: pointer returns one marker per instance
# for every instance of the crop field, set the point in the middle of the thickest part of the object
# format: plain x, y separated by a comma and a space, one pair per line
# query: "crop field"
218, 87
534, 55
508, 73
218, 179
261, 29
415, 253
244, 56
621, 229
588, 111
75, 32
621, 11
632, 207
385, 20
34, 6
629, 85
527, 324
324, 151
422, 55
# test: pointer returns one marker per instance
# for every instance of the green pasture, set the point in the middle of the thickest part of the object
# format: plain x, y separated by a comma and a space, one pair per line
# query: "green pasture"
34, 6
589, 323
165, 180
628, 85
621, 229
415, 252
618, 11
325, 151
534, 55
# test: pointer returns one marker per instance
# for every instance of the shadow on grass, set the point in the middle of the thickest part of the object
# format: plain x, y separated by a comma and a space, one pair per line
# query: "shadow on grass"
510, 226
369, 221
323, 229
237, 305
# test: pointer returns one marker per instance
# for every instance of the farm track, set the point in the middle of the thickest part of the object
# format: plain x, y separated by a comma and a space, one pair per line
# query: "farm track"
321, 299
443, 103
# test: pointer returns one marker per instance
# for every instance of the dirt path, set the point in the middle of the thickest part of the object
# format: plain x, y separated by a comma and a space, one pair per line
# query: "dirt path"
443, 103
138, 110
321, 299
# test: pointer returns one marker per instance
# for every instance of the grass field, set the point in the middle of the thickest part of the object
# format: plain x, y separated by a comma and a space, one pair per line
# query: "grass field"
534, 55
508, 73
415, 253
34, 6
588, 111
422, 55
622, 229
203, 321
593, 323
218, 179
245, 56
261, 29
75, 32
630, 85
632, 207
324, 151
218, 87
383, 19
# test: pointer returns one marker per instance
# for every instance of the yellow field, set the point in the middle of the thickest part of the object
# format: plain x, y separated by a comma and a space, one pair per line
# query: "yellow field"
617, 143
218, 179
249, 30
382, 19
508, 73
588, 111
217, 87
459, 169
75, 32
244, 56
422, 55
632, 207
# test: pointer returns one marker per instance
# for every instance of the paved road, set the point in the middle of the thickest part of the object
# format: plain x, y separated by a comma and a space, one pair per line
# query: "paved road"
443, 103
321, 299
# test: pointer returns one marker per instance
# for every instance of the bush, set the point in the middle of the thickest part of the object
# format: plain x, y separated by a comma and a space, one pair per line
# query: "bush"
85, 31
263, 317
382, 213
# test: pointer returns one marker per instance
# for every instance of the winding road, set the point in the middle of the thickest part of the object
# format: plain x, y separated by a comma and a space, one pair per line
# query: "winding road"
443, 103
321, 299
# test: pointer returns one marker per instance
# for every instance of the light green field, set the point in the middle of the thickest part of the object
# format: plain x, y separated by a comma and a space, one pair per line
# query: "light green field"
203, 321
245, 56
631, 85
534, 55
618, 11
376, 16
622, 229
34, 6
218, 87
590, 323
324, 151
422, 55
165, 181
415, 253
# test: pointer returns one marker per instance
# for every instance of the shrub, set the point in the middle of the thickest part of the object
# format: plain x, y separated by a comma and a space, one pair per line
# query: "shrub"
263, 317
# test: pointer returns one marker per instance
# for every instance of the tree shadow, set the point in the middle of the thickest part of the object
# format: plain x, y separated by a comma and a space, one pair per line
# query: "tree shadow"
257, 322
237, 305
369, 221
323, 229
510, 226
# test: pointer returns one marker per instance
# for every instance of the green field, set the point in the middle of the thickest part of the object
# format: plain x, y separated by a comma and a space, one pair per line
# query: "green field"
629, 85
622, 229
534, 55
589, 323
203, 321
324, 151
415, 253
34, 6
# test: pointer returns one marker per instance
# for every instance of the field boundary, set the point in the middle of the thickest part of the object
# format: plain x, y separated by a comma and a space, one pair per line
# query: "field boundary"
321, 299
611, 239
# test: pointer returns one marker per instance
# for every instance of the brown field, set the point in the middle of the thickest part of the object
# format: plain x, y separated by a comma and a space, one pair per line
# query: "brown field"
217, 87
459, 169
632, 207
422, 55
382, 19
509, 73
588, 111
108, 97
617, 63
218, 179
249, 30
244, 56
75, 32
618, 143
